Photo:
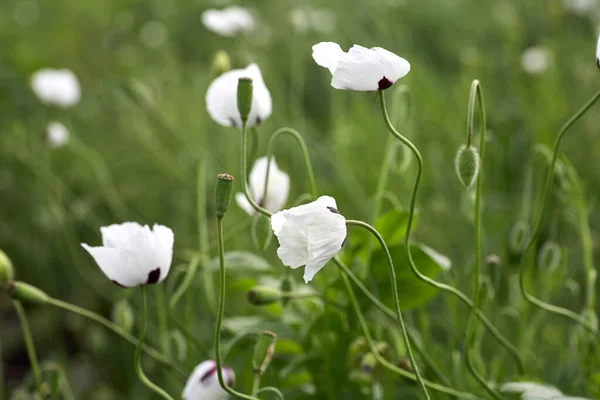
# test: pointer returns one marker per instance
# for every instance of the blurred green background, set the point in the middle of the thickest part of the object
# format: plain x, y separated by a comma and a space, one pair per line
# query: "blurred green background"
141, 132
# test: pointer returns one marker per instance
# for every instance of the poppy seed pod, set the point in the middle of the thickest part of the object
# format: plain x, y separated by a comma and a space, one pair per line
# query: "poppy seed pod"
223, 194
263, 295
263, 351
7, 272
122, 315
467, 165
26, 293
244, 98
221, 63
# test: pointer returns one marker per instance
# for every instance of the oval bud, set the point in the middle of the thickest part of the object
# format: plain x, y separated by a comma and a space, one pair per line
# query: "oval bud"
7, 273
223, 193
549, 256
26, 293
263, 351
467, 165
368, 362
221, 63
122, 315
518, 237
264, 295
244, 98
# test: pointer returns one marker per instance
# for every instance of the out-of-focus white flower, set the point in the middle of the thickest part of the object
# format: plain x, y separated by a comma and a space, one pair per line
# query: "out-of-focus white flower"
531, 390
360, 68
580, 7
204, 384
57, 134
320, 20
310, 235
278, 187
534, 60
132, 254
598, 52
221, 98
229, 21
58, 87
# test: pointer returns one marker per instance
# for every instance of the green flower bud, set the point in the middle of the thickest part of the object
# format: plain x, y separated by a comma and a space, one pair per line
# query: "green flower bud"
26, 293
549, 256
264, 295
467, 165
221, 63
263, 351
223, 194
122, 315
287, 286
518, 237
7, 273
368, 362
244, 98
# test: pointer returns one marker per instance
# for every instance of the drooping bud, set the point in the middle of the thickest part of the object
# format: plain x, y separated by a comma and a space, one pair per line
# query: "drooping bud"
467, 165
287, 286
368, 362
223, 194
7, 273
122, 315
549, 256
263, 351
518, 237
221, 63
244, 98
26, 293
264, 295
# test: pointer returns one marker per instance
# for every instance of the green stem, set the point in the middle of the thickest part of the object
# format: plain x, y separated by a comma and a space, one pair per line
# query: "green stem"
450, 289
203, 240
155, 354
137, 359
272, 390
2, 387
190, 273
221, 310
245, 177
545, 199
256, 384
163, 323
29, 346
392, 273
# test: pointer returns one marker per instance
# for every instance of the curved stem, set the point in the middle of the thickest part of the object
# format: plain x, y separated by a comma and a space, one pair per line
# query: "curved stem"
155, 354
137, 359
190, 273
220, 315
245, 177
273, 390
399, 318
29, 345
545, 199
256, 384
432, 282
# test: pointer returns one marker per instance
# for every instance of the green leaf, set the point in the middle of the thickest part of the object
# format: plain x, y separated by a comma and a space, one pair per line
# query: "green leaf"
392, 225
241, 261
412, 292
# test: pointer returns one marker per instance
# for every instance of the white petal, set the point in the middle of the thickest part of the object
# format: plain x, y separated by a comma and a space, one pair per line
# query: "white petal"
228, 22
365, 69
57, 87
150, 257
57, 134
164, 239
598, 52
278, 220
293, 245
534, 60
530, 389
278, 187
118, 235
119, 265
326, 235
203, 383
327, 55
244, 204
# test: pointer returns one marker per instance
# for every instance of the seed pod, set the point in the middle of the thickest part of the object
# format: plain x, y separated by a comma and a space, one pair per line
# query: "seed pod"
7, 273
223, 193
26, 293
264, 295
244, 98
221, 63
467, 165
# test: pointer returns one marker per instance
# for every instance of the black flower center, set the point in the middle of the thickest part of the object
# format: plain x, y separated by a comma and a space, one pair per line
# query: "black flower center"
153, 276
333, 210
384, 83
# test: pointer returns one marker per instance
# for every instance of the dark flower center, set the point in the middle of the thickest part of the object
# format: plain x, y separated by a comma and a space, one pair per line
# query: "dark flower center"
333, 210
384, 83
153, 276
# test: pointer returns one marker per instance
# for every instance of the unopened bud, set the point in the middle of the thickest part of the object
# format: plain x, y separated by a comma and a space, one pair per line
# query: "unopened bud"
26, 293
223, 194
368, 362
492, 260
263, 351
7, 273
122, 315
467, 165
264, 295
549, 256
221, 63
287, 286
518, 237
244, 98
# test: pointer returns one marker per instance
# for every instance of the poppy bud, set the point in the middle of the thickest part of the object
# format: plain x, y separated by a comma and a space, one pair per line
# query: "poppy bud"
26, 293
518, 237
244, 98
287, 286
467, 165
7, 272
221, 63
549, 256
122, 315
223, 194
264, 295
368, 362
263, 351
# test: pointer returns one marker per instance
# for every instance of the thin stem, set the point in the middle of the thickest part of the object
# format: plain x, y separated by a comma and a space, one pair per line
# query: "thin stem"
545, 199
203, 240
245, 177
272, 390
137, 359
2, 388
399, 318
220, 314
155, 354
190, 273
161, 316
29, 345
432, 282
256, 384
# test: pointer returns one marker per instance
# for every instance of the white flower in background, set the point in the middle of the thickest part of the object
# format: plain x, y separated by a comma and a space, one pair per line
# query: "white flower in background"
598, 52
310, 235
132, 254
204, 384
534, 60
221, 98
580, 7
229, 21
57, 134
58, 87
536, 391
320, 20
278, 187
360, 68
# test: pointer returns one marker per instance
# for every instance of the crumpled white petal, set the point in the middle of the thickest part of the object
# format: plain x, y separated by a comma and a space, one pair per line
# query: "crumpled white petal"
598, 52
57, 134
229, 21
221, 98
310, 235
58, 87
360, 69
133, 254
203, 383
277, 191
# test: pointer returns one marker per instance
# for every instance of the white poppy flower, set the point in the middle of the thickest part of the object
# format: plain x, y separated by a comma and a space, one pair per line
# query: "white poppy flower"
580, 7
360, 68
534, 60
221, 98
310, 235
57, 134
277, 190
59, 87
531, 390
204, 384
132, 254
229, 21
